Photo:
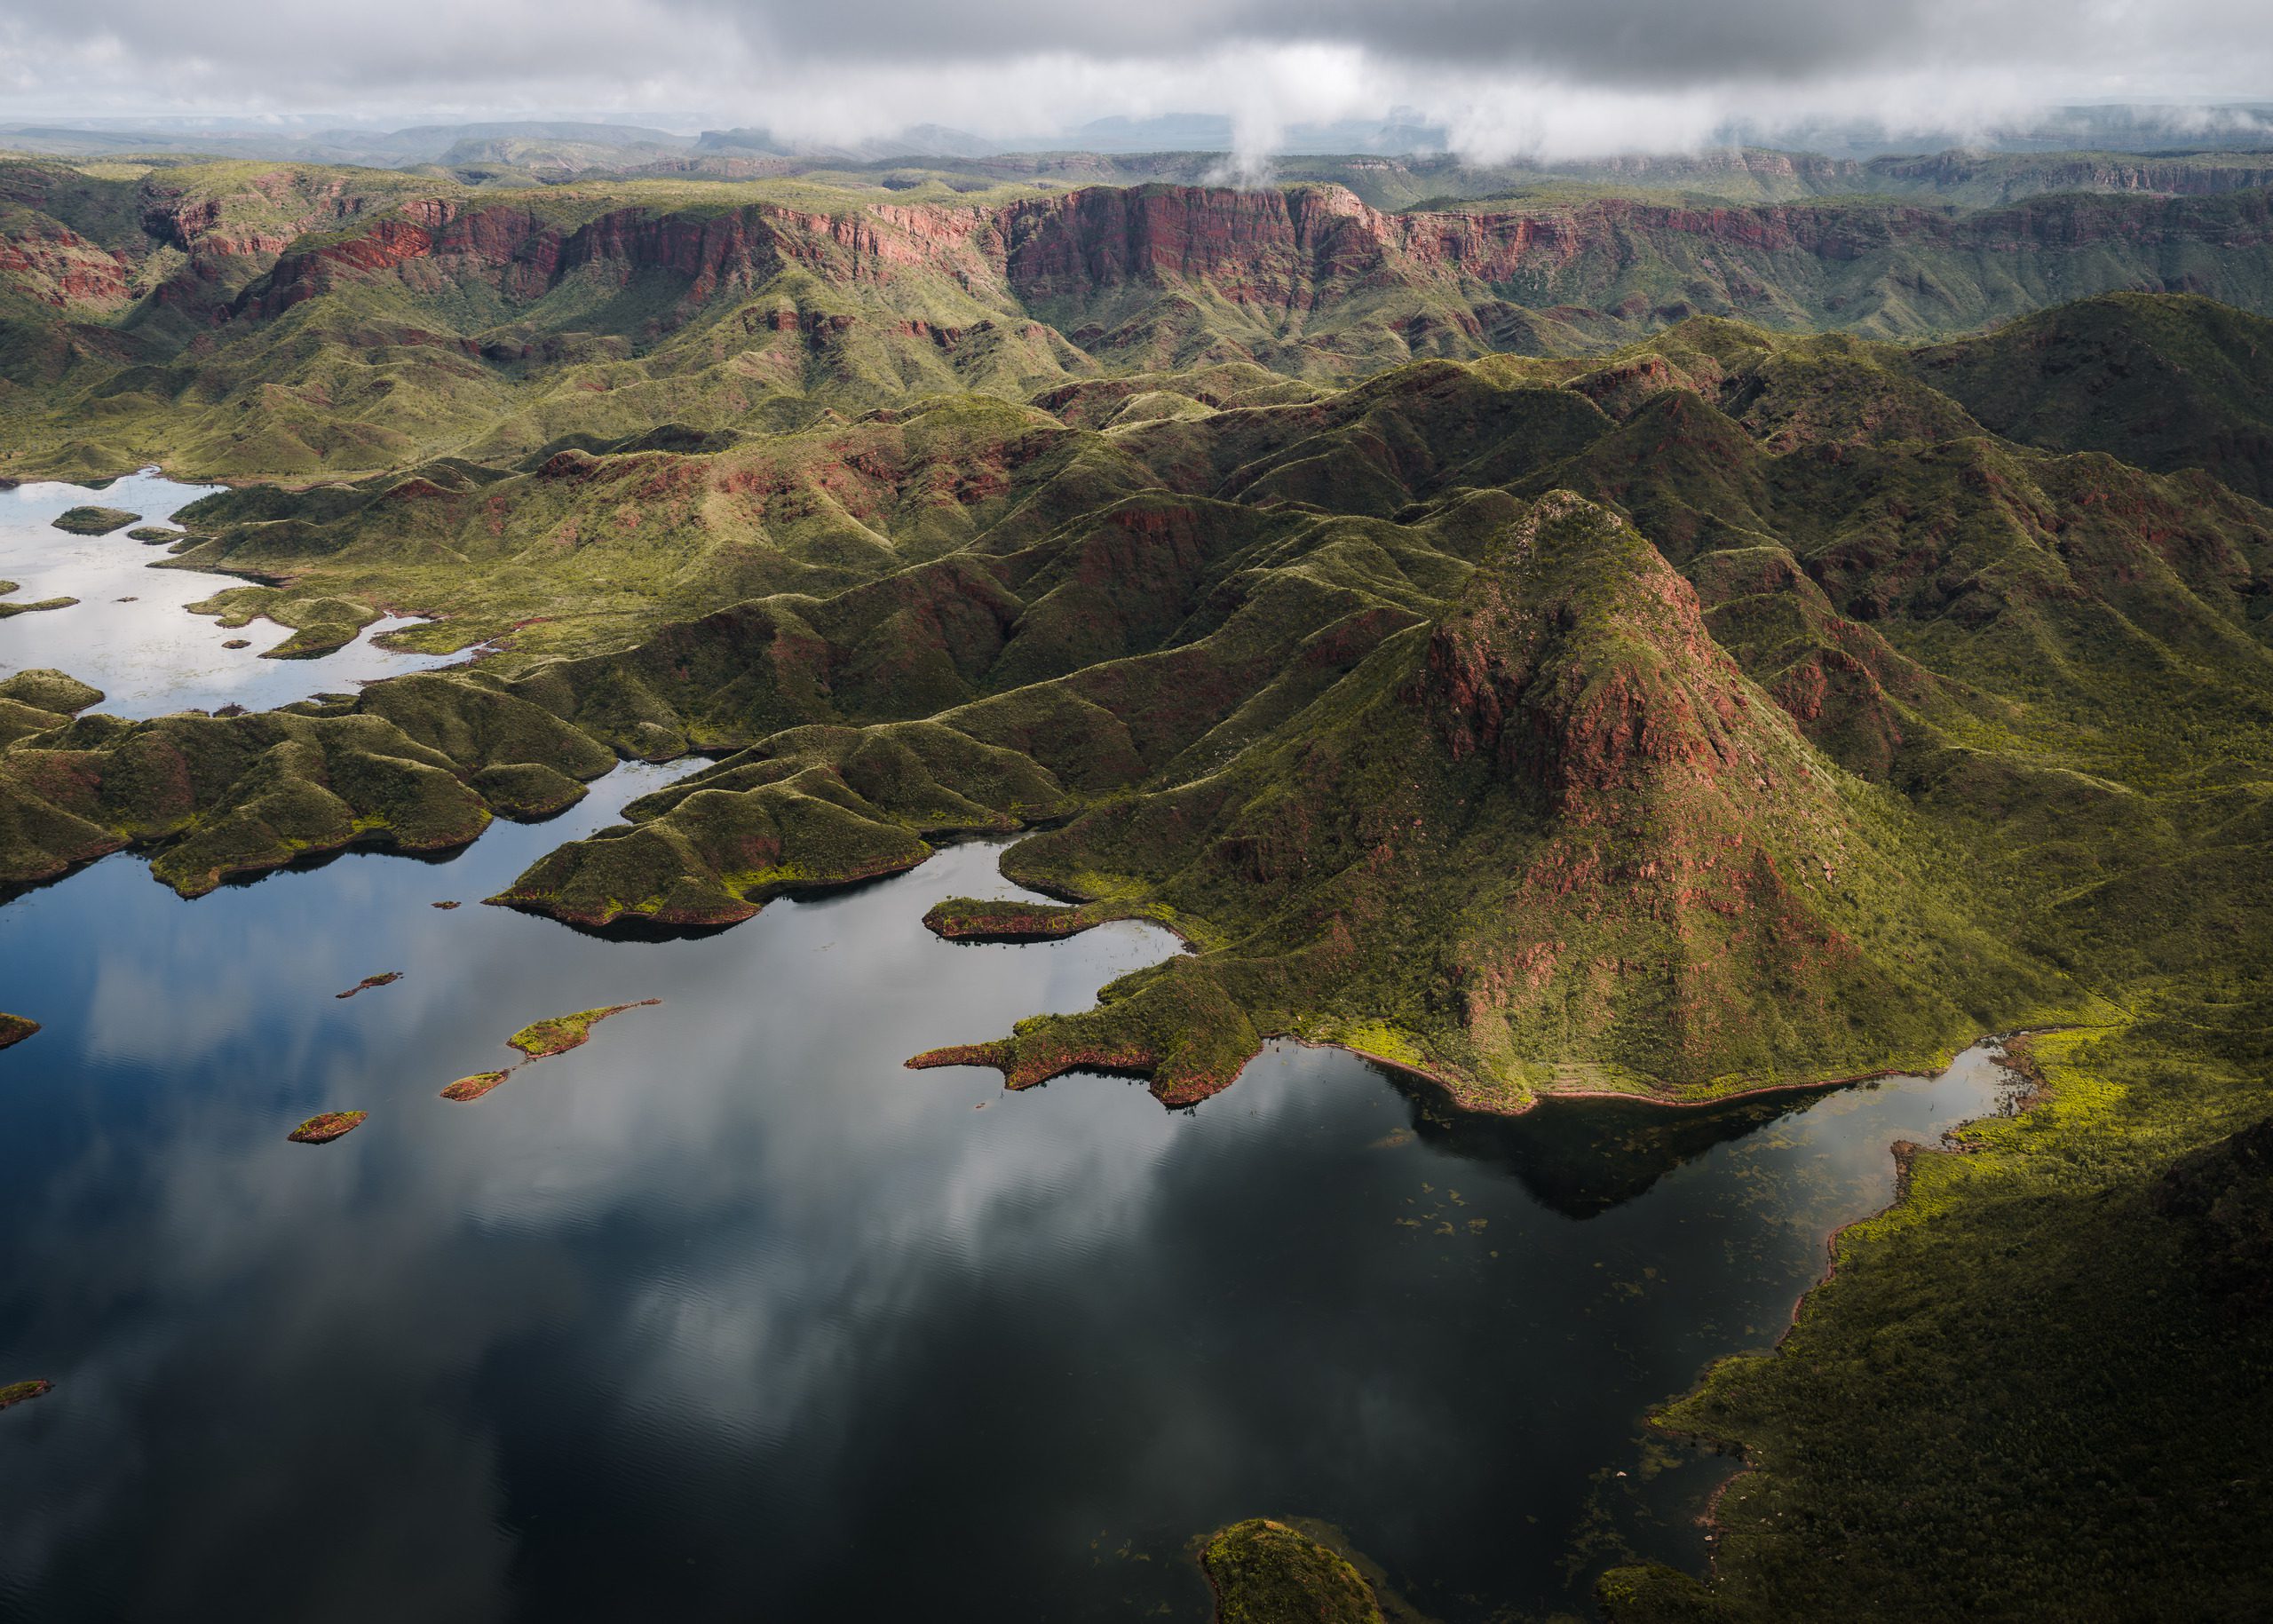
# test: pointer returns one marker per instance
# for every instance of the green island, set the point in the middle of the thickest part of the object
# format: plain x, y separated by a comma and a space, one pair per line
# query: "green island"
14, 1029
326, 1126
557, 1035
19, 1392
1265, 1572
94, 521
1736, 630
466, 1090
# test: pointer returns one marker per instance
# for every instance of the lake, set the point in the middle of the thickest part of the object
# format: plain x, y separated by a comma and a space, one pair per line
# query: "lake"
129, 634
726, 1313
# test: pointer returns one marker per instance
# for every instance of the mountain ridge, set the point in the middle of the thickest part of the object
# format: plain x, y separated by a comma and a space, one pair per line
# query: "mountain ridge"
379, 322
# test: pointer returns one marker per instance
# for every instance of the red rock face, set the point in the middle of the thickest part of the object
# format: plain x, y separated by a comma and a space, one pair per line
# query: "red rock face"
58, 267
1280, 254
1568, 694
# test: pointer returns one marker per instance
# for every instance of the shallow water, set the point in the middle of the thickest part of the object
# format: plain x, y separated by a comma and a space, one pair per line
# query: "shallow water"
150, 655
727, 1314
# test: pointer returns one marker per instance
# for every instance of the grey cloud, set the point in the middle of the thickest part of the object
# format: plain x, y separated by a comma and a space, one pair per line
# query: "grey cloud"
1616, 41
1525, 69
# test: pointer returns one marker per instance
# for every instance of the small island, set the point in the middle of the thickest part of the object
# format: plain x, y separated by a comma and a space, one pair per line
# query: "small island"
19, 1393
974, 919
1266, 1573
95, 520
467, 1090
14, 1029
368, 982
542, 1039
327, 1126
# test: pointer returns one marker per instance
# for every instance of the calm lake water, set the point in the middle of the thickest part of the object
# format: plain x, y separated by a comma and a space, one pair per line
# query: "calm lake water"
728, 1315
150, 655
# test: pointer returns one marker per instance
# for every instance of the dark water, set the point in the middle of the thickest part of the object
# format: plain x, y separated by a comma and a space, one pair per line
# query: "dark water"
726, 1315
150, 655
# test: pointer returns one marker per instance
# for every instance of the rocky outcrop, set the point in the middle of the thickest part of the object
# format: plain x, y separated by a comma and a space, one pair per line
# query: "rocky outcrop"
51, 263
1280, 253
1523, 673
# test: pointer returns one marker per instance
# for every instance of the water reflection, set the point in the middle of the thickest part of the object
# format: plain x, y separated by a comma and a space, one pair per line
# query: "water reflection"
1582, 1157
727, 1313
130, 634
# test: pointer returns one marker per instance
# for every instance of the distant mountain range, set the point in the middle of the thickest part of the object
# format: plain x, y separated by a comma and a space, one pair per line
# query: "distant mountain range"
608, 143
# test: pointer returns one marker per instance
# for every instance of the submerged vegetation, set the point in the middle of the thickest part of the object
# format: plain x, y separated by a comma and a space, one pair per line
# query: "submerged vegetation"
1680, 707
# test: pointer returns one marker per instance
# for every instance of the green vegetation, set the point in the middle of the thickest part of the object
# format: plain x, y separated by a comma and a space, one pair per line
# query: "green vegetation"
2162, 384
94, 521
559, 1034
34, 702
14, 1029
296, 322
466, 1090
327, 1126
414, 764
2032, 1388
49, 690
17, 1393
320, 626
972, 919
1266, 1573
9, 609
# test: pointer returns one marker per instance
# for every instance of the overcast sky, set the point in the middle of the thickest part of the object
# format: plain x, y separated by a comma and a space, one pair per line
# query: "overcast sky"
1545, 77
